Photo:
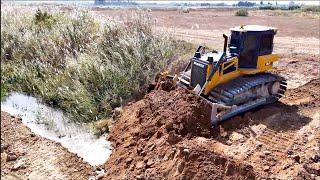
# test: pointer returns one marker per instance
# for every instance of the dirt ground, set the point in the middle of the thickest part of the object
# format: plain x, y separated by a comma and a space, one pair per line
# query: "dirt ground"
298, 69
25, 155
296, 34
297, 40
167, 134
149, 141
154, 139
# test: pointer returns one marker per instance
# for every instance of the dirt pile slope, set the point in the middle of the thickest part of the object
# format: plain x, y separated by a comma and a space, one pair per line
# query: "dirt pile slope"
168, 134
151, 140
25, 155
307, 95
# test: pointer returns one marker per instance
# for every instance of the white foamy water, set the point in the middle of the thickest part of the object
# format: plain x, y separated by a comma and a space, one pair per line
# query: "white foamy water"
54, 125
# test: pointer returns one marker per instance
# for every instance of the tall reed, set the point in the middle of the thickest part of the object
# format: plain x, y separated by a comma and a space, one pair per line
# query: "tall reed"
76, 63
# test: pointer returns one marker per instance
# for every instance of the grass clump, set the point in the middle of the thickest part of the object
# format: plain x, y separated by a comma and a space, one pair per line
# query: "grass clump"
75, 63
4, 91
242, 12
302, 11
186, 10
43, 19
315, 9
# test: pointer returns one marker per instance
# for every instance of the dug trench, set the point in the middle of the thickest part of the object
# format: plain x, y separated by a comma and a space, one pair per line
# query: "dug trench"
168, 134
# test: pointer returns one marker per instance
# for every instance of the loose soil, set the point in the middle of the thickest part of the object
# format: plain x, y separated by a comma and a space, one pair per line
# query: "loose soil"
223, 19
150, 141
295, 35
298, 69
168, 135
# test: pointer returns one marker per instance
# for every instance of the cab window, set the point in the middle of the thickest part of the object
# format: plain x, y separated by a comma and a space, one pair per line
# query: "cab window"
266, 42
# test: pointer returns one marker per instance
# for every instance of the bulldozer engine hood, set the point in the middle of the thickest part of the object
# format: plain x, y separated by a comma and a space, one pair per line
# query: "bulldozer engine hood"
215, 56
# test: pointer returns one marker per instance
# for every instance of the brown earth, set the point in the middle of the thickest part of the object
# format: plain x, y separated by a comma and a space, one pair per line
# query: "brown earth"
150, 141
295, 35
307, 95
298, 69
297, 40
25, 155
280, 140
168, 135
223, 19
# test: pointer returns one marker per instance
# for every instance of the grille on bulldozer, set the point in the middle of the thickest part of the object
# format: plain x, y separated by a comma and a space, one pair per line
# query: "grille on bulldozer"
198, 72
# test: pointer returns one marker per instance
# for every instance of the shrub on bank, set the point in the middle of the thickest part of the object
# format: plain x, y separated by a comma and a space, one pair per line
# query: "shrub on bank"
310, 8
75, 63
185, 10
242, 12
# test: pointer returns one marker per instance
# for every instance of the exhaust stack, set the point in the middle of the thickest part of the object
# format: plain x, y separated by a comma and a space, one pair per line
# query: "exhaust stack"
225, 43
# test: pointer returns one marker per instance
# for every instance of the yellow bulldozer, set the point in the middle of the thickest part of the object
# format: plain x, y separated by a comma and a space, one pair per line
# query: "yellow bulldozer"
236, 80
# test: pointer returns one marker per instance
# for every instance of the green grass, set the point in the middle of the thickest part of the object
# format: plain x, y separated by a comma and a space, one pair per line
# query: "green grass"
73, 62
4, 91
315, 9
304, 8
300, 11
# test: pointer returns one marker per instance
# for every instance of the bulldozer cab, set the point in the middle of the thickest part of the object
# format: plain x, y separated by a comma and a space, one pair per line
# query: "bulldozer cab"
249, 42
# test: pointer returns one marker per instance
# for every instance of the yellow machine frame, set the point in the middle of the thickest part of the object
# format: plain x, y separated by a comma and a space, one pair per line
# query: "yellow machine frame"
264, 63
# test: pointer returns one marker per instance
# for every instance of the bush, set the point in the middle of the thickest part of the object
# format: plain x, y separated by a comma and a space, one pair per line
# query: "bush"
186, 10
43, 19
294, 7
78, 65
4, 91
310, 8
246, 3
268, 8
242, 12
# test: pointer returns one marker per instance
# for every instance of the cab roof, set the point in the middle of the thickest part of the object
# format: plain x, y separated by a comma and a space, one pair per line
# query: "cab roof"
246, 28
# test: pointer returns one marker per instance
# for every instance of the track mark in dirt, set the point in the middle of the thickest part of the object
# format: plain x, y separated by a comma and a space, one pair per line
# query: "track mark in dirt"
168, 134
285, 142
276, 141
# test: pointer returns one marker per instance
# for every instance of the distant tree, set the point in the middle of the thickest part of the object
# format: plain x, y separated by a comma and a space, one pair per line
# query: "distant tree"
246, 3
99, 2
221, 4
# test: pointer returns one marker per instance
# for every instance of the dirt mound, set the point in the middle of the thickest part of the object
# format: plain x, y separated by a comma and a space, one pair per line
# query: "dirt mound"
180, 113
154, 139
168, 134
307, 95
164, 83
